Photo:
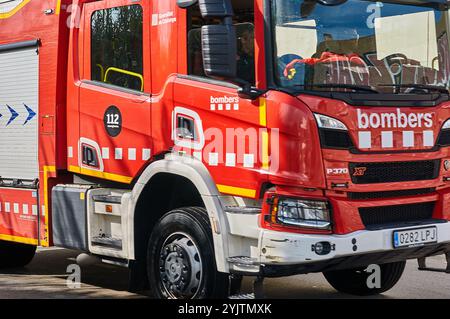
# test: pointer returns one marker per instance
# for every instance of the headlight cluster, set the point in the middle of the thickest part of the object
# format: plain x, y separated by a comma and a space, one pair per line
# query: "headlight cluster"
444, 136
333, 133
301, 213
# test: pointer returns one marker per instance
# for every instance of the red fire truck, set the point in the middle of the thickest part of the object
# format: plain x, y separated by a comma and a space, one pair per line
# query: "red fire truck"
199, 141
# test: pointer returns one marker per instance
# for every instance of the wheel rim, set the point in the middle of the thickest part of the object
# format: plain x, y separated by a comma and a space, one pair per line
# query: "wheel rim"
180, 267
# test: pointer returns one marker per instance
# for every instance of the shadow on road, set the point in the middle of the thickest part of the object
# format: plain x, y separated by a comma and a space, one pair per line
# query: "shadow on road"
45, 277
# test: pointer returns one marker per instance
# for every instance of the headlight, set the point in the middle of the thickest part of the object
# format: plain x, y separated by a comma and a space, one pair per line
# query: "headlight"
444, 136
333, 133
330, 123
301, 213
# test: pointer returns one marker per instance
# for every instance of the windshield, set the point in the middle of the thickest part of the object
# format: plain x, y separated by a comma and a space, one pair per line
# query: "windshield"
375, 47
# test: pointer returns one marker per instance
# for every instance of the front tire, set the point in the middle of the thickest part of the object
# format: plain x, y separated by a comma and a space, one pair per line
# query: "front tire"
14, 255
354, 281
181, 260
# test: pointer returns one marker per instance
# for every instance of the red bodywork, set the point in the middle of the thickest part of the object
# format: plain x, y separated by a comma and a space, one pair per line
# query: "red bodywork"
288, 154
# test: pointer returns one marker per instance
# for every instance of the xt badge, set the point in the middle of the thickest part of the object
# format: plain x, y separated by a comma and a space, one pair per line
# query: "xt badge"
359, 171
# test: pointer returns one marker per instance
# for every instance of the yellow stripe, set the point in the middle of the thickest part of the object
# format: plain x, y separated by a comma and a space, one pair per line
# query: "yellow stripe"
18, 239
47, 169
262, 111
9, 14
103, 175
58, 7
265, 150
230, 190
265, 134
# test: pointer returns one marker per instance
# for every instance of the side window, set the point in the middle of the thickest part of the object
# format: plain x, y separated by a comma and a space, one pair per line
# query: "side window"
116, 47
245, 31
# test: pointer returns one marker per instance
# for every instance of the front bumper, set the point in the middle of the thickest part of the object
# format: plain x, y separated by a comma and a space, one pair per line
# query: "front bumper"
283, 254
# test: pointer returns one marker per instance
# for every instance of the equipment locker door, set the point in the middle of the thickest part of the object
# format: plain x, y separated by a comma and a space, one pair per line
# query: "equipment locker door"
115, 129
19, 98
19, 167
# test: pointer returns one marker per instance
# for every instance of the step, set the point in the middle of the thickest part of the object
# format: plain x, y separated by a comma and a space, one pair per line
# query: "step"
108, 242
110, 199
243, 296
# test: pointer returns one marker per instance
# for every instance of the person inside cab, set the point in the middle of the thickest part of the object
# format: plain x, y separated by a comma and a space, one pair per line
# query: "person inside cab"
246, 52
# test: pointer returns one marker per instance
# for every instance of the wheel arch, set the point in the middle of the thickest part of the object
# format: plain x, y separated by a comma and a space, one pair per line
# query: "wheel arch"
185, 171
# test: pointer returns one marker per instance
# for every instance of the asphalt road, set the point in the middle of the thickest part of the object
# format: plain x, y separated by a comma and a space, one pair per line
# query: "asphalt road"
46, 277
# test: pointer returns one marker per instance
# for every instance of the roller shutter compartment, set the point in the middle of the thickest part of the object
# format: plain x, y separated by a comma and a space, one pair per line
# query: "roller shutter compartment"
19, 109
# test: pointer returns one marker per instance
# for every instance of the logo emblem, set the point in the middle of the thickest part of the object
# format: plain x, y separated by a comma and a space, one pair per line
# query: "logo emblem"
359, 171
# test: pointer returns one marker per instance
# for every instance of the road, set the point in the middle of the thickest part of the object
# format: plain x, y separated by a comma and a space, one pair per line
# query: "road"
46, 277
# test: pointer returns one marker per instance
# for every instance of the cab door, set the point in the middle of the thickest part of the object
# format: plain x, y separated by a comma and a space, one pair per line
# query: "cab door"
115, 140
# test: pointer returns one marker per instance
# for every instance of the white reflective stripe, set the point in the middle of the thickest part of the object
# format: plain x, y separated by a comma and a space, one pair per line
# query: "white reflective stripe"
118, 153
70, 152
25, 209
228, 107
428, 138
213, 159
236, 107
16, 208
1, 207
146, 154
132, 154
249, 160
155, 20
230, 160
365, 140
408, 139
213, 107
34, 210
43, 210
105, 153
7, 207
387, 139
220, 107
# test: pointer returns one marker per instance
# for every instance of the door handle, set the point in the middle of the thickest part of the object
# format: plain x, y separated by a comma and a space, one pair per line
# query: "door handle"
139, 100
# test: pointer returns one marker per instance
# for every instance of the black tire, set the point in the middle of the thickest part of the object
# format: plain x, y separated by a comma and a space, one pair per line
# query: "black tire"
180, 258
354, 281
13, 255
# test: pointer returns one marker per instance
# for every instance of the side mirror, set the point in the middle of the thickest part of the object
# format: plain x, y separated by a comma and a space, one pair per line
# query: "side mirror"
186, 3
216, 8
219, 50
219, 46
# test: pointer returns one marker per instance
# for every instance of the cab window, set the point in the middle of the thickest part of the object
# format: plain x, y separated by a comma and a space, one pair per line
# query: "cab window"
245, 30
116, 47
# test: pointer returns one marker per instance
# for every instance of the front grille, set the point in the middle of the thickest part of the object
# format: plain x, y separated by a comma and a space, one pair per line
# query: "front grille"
376, 216
335, 139
373, 173
390, 194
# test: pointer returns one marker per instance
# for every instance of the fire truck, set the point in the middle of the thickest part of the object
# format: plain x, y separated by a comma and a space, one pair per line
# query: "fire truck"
199, 141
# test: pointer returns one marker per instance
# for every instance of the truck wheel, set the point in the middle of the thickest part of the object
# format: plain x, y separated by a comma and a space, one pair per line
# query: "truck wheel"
354, 281
180, 258
14, 255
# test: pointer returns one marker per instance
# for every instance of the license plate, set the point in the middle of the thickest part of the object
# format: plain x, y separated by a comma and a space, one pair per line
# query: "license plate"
415, 237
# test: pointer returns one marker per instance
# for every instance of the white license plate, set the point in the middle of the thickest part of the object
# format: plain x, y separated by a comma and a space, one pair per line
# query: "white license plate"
415, 237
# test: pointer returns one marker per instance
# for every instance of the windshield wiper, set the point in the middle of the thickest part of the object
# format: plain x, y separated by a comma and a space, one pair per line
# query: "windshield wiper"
364, 88
440, 89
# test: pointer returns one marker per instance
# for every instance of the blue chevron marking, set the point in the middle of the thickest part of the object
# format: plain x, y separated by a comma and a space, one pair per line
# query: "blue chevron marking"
31, 114
14, 114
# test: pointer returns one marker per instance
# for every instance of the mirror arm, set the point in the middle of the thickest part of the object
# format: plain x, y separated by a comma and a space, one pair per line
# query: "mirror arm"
246, 90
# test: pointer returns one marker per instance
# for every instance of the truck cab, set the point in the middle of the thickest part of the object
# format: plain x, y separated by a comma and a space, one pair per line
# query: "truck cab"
199, 141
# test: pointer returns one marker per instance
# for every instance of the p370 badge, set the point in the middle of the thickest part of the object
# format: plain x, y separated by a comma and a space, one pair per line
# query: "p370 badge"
337, 171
